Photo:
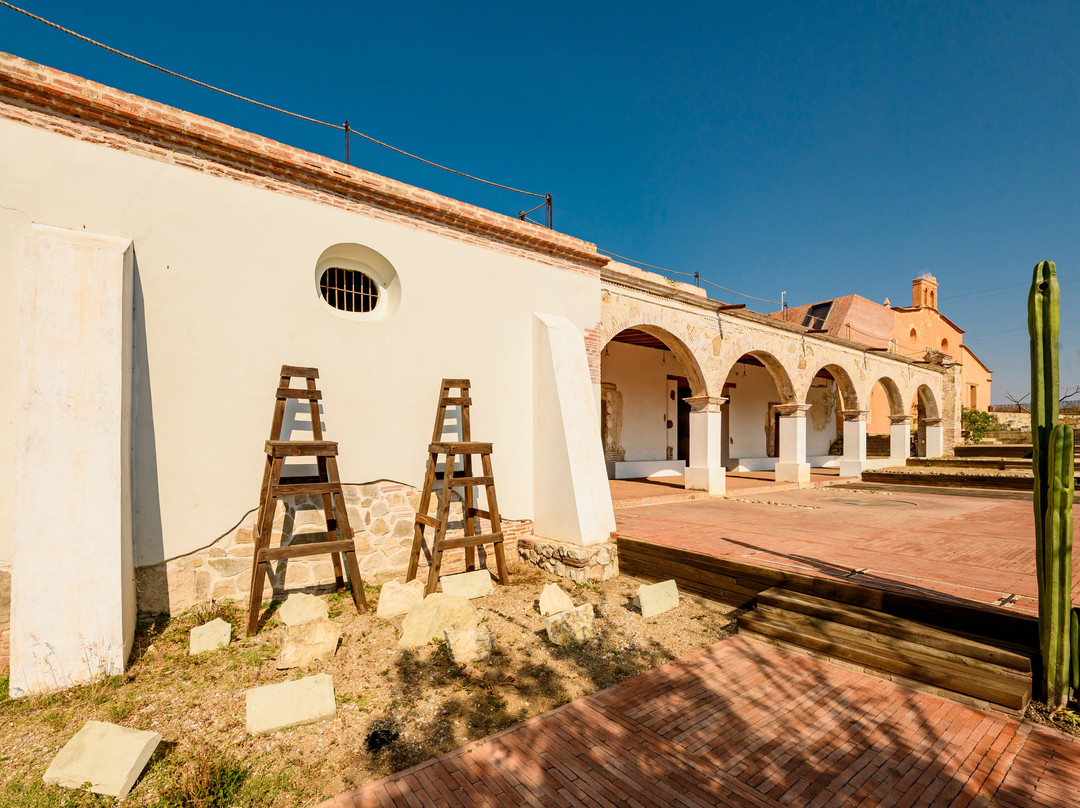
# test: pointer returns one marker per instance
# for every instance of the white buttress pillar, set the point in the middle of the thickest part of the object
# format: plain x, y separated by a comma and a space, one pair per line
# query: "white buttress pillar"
792, 466
72, 584
900, 437
853, 462
935, 437
706, 470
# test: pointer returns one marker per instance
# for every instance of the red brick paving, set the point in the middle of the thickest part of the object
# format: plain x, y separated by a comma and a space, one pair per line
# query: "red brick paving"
747, 724
976, 548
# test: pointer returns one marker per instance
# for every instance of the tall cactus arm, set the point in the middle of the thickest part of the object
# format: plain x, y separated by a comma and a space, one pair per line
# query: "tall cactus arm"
1057, 573
1043, 323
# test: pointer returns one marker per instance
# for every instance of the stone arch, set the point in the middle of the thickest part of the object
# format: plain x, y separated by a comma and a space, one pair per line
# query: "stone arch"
844, 384
682, 351
892, 394
780, 376
928, 402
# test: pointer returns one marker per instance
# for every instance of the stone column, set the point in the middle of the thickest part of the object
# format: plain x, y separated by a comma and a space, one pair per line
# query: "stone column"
792, 466
706, 471
73, 584
900, 437
935, 437
854, 460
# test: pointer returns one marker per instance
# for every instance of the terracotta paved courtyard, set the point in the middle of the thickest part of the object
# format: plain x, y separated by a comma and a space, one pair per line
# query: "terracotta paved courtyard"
976, 548
746, 724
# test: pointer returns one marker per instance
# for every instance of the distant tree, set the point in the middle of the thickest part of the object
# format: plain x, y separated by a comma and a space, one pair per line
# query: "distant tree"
976, 423
1022, 407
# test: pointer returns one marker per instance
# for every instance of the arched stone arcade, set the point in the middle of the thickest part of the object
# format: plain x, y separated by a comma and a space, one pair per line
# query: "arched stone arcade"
756, 394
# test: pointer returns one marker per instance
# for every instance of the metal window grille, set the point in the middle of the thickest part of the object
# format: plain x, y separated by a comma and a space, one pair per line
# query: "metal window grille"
349, 290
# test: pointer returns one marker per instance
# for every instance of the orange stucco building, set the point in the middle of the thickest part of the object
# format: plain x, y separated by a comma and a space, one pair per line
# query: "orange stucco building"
918, 331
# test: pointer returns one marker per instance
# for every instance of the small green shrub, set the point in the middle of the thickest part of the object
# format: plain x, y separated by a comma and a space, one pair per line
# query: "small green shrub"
976, 423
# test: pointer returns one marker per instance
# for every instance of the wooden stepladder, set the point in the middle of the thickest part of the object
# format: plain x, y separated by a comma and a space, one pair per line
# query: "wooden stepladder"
326, 482
466, 449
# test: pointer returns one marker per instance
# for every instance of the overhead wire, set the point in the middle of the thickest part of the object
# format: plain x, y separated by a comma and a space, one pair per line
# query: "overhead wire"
696, 276
230, 94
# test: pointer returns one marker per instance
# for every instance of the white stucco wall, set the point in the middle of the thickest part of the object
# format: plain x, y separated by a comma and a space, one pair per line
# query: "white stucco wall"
641, 375
12, 227
225, 293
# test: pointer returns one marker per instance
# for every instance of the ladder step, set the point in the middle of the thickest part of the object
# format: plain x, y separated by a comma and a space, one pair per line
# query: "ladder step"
459, 447
301, 448
458, 383
298, 372
291, 392
461, 482
478, 512
291, 489
447, 401
430, 521
470, 541
301, 550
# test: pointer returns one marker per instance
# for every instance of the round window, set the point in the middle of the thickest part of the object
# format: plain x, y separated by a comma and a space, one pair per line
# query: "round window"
349, 290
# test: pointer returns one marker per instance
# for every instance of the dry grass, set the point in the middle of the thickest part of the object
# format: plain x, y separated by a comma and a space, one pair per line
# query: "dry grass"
395, 708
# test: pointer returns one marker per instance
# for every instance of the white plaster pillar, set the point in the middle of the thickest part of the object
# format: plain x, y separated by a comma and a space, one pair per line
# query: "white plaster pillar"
572, 500
706, 470
72, 586
935, 437
900, 437
792, 466
853, 462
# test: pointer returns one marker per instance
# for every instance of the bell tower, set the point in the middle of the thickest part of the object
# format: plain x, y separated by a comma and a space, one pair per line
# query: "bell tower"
924, 291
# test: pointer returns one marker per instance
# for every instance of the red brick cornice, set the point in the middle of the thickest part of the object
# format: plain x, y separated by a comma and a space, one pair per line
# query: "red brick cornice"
32, 86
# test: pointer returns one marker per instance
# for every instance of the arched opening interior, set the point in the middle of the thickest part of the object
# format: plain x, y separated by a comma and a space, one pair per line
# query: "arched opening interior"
831, 392
646, 375
923, 409
885, 401
756, 388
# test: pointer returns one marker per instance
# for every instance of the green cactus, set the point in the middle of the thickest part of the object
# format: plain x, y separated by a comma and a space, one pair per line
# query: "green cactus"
1052, 465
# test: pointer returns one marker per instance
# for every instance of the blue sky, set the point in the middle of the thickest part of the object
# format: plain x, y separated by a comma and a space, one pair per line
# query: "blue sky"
814, 149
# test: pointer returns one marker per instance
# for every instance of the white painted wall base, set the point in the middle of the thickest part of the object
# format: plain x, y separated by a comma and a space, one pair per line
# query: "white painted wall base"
633, 469
752, 464
900, 440
824, 461
570, 486
73, 586
852, 468
787, 472
713, 480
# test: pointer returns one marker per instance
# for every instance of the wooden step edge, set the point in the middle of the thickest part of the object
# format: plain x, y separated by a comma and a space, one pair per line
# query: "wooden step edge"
1007, 692
901, 628
914, 684
430, 521
907, 647
470, 541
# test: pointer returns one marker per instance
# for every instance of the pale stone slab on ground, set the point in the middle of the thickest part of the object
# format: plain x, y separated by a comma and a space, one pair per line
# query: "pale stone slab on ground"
654, 599
108, 757
299, 608
475, 584
554, 600
290, 704
396, 598
427, 620
572, 627
468, 645
308, 643
209, 636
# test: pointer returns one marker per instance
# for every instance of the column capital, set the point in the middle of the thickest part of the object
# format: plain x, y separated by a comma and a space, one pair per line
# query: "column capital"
900, 420
792, 410
855, 415
931, 421
705, 403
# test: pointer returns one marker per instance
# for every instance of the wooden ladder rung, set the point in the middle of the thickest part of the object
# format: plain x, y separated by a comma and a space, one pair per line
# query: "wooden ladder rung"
298, 372
301, 448
292, 392
452, 400
478, 512
291, 489
471, 541
461, 482
461, 447
430, 521
458, 383
301, 550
